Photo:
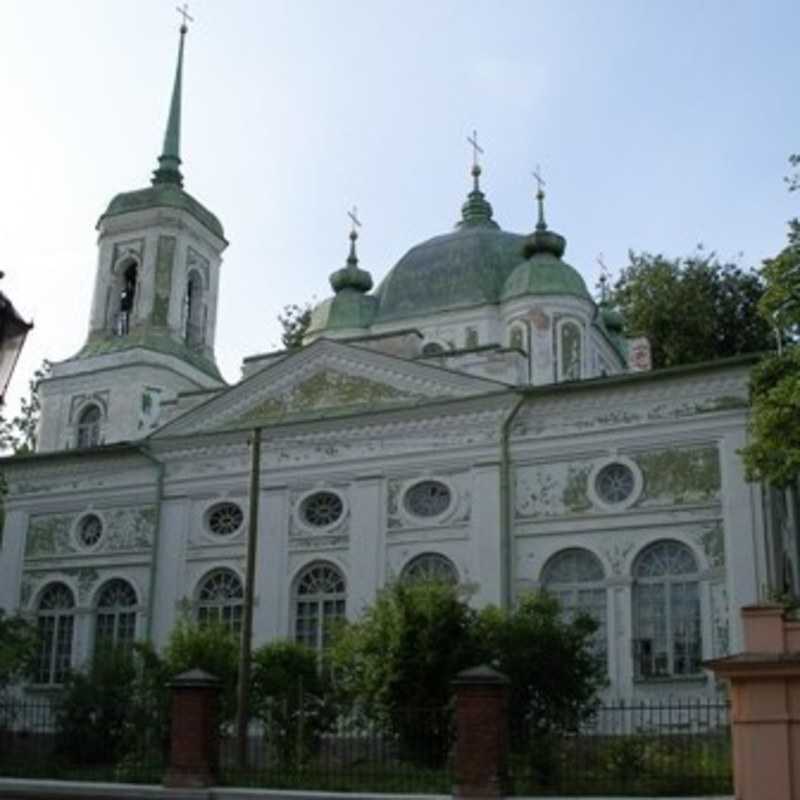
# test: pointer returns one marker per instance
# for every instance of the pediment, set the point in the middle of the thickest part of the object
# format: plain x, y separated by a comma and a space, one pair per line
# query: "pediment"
326, 379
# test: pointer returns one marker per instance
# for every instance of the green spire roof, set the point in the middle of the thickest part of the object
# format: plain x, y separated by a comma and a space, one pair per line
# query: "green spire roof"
169, 162
543, 240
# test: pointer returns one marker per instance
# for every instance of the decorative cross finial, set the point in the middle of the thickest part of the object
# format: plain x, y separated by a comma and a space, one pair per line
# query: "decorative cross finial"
537, 174
184, 12
356, 222
476, 148
604, 274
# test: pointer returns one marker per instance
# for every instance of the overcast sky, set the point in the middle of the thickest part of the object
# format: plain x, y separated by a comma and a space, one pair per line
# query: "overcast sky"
658, 125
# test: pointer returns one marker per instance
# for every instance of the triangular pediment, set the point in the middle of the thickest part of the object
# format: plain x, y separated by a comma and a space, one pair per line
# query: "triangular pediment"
327, 379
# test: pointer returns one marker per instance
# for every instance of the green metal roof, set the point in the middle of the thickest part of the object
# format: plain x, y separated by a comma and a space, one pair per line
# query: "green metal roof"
101, 344
544, 273
166, 195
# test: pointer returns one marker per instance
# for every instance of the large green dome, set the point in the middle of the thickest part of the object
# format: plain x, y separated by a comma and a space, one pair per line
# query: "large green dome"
467, 267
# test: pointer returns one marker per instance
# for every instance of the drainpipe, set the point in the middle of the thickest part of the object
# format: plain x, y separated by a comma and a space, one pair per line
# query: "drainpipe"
506, 511
151, 593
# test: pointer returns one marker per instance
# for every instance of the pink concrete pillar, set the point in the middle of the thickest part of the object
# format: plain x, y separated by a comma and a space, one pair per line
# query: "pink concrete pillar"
194, 737
481, 753
765, 706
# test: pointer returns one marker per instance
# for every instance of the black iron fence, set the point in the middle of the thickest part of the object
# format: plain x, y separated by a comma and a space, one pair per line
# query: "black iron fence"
48, 739
315, 747
671, 747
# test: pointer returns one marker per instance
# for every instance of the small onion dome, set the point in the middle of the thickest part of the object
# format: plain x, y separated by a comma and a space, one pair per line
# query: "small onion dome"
543, 272
351, 276
612, 319
477, 210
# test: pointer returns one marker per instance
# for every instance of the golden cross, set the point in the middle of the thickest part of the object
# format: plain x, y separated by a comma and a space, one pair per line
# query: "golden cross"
476, 148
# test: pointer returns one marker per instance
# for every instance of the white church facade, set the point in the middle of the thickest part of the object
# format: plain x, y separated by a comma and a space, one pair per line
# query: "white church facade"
477, 415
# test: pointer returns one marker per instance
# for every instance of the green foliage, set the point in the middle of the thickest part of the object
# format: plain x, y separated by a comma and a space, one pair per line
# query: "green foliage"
93, 715
19, 433
406, 648
294, 321
210, 647
290, 694
691, 309
773, 453
554, 672
18, 641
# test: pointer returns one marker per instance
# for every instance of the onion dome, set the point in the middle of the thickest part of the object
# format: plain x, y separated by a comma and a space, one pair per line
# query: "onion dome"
351, 308
477, 210
543, 272
612, 319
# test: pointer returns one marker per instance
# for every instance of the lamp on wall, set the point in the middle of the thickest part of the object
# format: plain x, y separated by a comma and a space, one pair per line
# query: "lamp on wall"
13, 330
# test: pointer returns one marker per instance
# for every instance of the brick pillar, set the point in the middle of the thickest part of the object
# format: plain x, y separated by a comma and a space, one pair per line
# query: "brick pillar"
194, 733
481, 755
765, 706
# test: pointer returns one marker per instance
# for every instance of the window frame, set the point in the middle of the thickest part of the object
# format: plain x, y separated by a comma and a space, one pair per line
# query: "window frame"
123, 616
51, 647
417, 562
228, 611
94, 428
316, 620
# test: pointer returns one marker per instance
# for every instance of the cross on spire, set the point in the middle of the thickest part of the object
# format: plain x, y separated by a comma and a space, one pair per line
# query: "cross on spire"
537, 174
476, 148
604, 275
184, 12
356, 222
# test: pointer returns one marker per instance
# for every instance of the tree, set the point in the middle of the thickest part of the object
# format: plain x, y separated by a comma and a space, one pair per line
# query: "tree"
691, 309
773, 453
18, 640
19, 433
294, 320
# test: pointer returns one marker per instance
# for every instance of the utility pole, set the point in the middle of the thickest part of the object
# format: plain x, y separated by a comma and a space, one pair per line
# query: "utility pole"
243, 694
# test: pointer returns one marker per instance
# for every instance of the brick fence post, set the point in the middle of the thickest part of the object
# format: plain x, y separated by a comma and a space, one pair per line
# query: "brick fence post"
765, 705
194, 733
481, 754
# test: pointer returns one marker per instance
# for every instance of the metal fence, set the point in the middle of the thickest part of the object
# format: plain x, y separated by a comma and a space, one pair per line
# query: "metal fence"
671, 747
316, 747
91, 742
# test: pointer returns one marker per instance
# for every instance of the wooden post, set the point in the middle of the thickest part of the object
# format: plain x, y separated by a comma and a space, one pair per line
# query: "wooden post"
194, 731
481, 756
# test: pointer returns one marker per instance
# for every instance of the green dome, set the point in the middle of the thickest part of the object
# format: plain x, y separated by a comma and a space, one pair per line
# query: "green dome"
612, 319
467, 267
544, 273
164, 195
348, 309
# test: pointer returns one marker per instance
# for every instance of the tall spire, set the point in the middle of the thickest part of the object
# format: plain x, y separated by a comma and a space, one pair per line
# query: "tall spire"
352, 276
541, 225
543, 241
169, 162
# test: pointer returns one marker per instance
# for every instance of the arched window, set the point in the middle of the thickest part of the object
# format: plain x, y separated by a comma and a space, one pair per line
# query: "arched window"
89, 427
430, 567
517, 338
666, 611
576, 577
319, 601
127, 296
220, 600
195, 312
115, 623
432, 349
55, 620
570, 353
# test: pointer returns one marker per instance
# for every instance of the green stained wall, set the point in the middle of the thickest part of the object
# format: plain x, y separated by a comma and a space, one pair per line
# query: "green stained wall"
677, 476
165, 260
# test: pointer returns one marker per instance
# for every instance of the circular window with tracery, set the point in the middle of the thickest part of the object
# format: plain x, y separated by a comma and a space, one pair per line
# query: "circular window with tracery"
615, 483
224, 519
428, 499
90, 530
322, 509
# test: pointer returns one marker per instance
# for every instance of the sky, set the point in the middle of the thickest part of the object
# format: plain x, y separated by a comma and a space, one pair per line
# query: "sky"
658, 125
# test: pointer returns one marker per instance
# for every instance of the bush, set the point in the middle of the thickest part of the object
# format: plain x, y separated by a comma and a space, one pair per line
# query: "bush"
18, 640
290, 694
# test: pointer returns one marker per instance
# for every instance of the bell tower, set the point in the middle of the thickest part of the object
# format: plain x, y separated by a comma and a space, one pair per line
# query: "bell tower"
153, 317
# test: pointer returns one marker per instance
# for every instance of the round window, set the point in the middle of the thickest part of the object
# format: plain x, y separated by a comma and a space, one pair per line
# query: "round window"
224, 519
90, 530
615, 483
322, 509
427, 499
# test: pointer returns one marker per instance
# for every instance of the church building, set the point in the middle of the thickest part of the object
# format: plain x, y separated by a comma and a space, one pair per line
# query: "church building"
477, 416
